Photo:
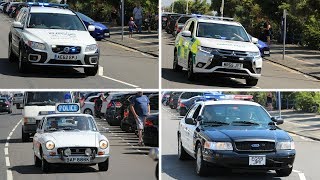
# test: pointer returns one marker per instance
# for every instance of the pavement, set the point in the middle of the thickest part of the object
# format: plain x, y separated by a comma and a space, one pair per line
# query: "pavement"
297, 58
146, 42
274, 75
127, 160
300, 123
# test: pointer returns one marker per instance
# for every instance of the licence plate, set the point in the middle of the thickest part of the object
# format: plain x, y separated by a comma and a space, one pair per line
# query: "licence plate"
266, 52
257, 160
65, 57
77, 159
232, 65
106, 34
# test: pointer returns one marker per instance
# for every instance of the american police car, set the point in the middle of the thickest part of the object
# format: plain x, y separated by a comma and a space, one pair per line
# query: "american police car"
234, 134
69, 137
214, 45
48, 36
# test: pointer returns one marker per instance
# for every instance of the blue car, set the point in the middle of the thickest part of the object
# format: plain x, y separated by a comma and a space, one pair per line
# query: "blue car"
101, 31
263, 47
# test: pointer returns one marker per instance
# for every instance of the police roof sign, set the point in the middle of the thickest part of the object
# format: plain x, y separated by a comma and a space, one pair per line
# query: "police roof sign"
68, 108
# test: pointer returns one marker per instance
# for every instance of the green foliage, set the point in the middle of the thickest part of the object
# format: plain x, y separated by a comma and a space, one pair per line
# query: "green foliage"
194, 7
311, 33
306, 101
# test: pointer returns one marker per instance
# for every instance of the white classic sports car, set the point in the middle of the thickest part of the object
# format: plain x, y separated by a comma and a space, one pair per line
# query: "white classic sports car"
70, 139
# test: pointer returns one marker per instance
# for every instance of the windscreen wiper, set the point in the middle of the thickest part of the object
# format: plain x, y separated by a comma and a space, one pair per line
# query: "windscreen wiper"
245, 122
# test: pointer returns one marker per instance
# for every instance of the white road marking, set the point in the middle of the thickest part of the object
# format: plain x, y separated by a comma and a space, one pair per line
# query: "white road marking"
112, 79
147, 55
100, 71
123, 47
6, 151
301, 174
7, 161
10, 133
7, 144
9, 175
8, 138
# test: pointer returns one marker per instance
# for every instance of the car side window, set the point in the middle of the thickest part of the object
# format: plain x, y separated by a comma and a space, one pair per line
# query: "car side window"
192, 110
23, 18
186, 26
19, 16
196, 112
191, 27
92, 99
41, 123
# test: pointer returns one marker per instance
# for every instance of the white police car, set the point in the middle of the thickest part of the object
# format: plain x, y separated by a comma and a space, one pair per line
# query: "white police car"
47, 36
69, 137
214, 45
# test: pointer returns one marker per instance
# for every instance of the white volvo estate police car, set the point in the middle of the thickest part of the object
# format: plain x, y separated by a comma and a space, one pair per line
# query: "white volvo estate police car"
69, 137
217, 45
52, 37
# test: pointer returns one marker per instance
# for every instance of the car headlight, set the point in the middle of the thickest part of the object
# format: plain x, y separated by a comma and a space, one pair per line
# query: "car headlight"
206, 49
92, 47
36, 45
287, 145
224, 146
50, 145
88, 152
103, 144
254, 54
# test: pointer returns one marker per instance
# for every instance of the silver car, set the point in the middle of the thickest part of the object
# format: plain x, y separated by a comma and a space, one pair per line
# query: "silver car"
70, 139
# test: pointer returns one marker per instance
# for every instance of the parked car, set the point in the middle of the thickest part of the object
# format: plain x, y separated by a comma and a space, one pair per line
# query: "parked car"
16, 11
263, 47
11, 6
173, 99
88, 105
151, 130
5, 105
184, 96
171, 22
165, 98
180, 23
3, 7
101, 31
17, 100
128, 123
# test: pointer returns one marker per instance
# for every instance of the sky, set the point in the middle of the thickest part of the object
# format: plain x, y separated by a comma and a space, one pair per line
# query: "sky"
168, 2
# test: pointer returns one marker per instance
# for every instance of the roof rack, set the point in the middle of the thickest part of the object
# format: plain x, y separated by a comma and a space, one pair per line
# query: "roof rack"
215, 17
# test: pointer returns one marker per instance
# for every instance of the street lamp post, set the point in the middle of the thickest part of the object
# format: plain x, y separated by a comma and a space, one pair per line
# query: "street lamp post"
222, 7
172, 8
122, 19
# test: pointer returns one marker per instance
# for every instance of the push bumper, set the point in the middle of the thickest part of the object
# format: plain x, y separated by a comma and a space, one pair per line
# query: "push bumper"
274, 160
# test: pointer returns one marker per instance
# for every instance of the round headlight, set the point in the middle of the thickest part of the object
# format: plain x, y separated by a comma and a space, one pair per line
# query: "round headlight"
49, 145
67, 152
88, 152
103, 144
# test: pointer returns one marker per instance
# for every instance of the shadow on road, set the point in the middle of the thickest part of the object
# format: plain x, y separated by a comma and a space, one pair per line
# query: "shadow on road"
2, 141
11, 69
204, 80
178, 169
54, 169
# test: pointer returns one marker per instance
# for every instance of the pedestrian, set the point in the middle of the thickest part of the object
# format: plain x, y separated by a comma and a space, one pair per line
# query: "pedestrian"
131, 25
269, 101
140, 109
98, 105
137, 14
114, 17
265, 34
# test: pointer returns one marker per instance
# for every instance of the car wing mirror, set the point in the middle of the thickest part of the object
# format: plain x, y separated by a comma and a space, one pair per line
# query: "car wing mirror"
17, 24
200, 118
190, 121
254, 40
186, 33
277, 120
91, 28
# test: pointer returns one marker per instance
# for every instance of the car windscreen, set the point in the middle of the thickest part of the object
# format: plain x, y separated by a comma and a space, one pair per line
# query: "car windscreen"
84, 17
44, 98
222, 31
235, 113
68, 123
55, 21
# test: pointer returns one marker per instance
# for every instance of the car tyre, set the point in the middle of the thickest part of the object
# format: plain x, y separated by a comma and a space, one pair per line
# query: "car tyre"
201, 166
10, 111
91, 71
157, 170
191, 74
182, 154
251, 82
176, 66
88, 111
37, 161
104, 166
23, 66
45, 166
11, 56
284, 172
182, 112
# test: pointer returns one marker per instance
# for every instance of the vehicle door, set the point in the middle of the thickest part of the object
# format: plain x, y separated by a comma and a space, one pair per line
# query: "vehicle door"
188, 41
37, 136
192, 127
17, 32
182, 42
185, 129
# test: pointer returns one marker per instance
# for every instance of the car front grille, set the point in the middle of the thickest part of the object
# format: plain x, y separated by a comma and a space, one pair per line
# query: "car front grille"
232, 53
77, 150
66, 49
261, 146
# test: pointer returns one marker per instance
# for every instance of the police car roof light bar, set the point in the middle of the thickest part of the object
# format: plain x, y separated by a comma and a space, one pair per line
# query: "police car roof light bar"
217, 18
